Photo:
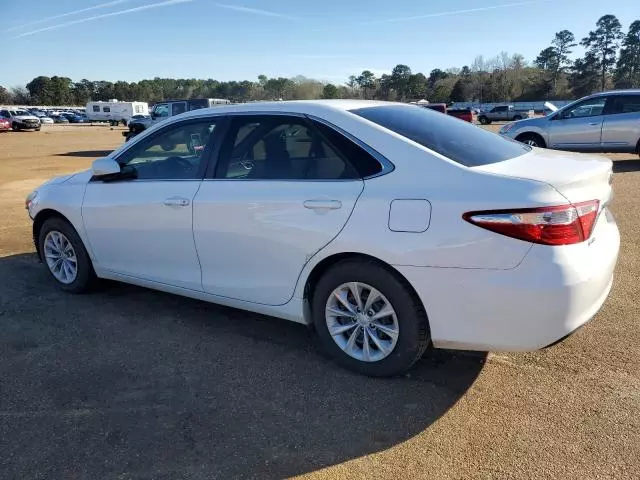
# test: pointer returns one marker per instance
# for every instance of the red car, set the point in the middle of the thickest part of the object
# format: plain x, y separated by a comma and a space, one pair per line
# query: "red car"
4, 125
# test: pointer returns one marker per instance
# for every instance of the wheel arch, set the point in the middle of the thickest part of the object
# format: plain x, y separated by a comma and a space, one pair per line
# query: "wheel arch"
326, 263
530, 133
41, 217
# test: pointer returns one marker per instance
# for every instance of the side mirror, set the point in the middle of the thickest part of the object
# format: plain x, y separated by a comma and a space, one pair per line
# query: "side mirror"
105, 167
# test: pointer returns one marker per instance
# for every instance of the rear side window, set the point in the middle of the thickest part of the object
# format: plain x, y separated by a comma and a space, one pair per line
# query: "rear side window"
106, 109
623, 104
455, 139
96, 108
363, 162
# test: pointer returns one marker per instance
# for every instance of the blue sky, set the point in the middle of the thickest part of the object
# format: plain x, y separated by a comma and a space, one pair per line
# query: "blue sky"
240, 39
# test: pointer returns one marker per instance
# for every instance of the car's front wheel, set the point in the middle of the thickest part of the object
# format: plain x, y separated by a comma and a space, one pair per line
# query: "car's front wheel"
484, 120
368, 319
531, 139
65, 256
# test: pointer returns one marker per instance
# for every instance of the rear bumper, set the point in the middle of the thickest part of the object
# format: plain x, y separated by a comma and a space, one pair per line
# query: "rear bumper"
553, 292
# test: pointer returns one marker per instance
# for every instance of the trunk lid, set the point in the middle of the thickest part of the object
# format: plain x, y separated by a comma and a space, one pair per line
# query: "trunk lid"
578, 177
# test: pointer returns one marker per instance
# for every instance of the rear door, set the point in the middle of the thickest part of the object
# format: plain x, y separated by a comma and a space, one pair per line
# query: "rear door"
621, 125
280, 193
579, 127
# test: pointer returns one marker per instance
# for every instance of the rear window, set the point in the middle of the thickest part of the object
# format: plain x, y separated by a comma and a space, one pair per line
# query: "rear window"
455, 139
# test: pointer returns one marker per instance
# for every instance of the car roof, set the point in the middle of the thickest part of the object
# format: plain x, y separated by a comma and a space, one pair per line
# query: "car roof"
292, 106
630, 91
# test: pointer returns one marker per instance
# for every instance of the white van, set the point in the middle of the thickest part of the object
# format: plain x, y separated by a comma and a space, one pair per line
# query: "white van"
115, 112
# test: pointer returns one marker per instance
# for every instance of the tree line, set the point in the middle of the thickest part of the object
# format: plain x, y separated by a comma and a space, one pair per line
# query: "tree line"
611, 60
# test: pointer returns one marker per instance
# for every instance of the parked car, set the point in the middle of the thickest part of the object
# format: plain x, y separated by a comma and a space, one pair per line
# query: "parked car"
438, 107
5, 124
20, 119
59, 119
74, 117
505, 113
388, 226
46, 120
163, 110
604, 122
461, 113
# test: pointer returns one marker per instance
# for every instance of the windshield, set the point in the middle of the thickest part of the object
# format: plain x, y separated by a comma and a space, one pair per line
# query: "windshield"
19, 112
455, 139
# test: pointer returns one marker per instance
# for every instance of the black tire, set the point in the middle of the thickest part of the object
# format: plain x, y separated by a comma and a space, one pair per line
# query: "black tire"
484, 120
15, 127
86, 276
38, 129
517, 117
532, 140
413, 325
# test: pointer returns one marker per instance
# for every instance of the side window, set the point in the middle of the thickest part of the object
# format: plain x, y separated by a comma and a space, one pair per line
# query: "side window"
280, 148
623, 104
161, 110
178, 108
106, 109
4, 114
173, 154
138, 108
96, 108
362, 161
588, 108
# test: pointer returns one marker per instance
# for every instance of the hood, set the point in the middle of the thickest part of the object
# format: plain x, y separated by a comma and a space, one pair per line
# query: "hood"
26, 117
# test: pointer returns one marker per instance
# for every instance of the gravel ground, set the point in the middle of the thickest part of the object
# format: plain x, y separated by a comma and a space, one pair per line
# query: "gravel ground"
130, 383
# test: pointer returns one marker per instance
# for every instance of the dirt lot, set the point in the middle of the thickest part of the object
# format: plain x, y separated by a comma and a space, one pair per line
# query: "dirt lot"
129, 383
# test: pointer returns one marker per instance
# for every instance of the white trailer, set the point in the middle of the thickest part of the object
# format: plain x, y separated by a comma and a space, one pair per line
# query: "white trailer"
115, 112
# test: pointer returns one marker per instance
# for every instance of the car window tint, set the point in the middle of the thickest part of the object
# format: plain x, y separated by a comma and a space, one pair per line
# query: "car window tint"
457, 140
624, 104
362, 161
173, 154
280, 148
178, 108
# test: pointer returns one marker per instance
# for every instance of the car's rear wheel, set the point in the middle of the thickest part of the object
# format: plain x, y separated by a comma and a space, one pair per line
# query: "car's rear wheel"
368, 319
517, 117
65, 256
532, 139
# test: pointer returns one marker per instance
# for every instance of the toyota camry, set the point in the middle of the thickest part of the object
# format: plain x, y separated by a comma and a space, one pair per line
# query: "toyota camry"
386, 226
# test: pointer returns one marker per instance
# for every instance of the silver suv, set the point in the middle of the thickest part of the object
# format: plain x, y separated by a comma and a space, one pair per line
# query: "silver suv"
604, 122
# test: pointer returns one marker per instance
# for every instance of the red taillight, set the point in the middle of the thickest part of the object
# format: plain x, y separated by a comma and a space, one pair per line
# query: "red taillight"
557, 225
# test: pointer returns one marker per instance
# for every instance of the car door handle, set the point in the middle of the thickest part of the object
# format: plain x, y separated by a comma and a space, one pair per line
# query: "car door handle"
176, 202
322, 204
594, 123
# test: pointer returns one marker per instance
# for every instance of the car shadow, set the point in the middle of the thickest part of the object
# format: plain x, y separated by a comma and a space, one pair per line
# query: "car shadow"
131, 382
86, 153
623, 166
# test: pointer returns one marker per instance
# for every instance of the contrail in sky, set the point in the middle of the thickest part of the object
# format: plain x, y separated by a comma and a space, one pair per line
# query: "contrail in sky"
454, 12
75, 12
105, 15
255, 11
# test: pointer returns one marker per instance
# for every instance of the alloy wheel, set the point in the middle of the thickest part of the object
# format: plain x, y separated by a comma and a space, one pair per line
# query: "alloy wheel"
60, 257
362, 321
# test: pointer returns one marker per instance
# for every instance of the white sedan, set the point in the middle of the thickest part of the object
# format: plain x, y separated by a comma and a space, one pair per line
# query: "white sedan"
389, 227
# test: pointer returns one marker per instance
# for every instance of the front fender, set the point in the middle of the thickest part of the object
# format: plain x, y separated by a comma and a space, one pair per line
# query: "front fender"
64, 198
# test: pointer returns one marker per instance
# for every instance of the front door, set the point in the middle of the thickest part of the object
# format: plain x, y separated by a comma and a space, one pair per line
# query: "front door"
280, 193
579, 127
142, 227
